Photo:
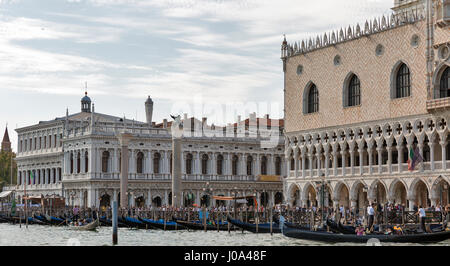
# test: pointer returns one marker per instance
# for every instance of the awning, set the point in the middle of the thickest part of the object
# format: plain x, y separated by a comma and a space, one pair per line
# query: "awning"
5, 194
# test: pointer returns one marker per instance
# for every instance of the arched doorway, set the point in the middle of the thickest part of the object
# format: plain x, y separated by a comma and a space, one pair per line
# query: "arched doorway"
361, 197
441, 193
278, 198
399, 193
343, 195
294, 195
140, 202
311, 199
157, 202
422, 196
379, 193
264, 199
170, 199
105, 201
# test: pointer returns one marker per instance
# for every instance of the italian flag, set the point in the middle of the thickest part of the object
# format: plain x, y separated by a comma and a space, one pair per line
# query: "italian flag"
414, 158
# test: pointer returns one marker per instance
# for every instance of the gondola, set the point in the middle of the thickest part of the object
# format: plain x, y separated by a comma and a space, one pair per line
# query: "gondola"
50, 220
108, 222
87, 227
262, 228
338, 238
339, 228
132, 222
169, 225
197, 225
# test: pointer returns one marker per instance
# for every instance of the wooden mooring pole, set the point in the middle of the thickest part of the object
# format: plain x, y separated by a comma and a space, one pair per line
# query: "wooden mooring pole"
114, 222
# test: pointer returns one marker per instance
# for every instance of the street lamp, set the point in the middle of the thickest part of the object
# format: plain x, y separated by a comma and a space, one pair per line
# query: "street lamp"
208, 191
321, 186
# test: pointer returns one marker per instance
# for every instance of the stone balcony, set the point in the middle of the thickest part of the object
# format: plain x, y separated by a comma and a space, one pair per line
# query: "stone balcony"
436, 104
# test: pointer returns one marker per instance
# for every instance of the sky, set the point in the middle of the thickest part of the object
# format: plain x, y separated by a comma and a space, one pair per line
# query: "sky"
201, 57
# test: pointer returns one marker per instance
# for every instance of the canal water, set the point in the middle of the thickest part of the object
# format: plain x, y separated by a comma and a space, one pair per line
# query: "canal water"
39, 235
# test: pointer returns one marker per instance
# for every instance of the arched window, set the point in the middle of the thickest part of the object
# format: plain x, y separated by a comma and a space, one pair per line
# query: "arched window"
292, 164
249, 165
234, 165
71, 163
354, 92
444, 88
105, 161
220, 165
403, 82
156, 160
277, 166
78, 163
140, 163
311, 105
189, 164
86, 162
205, 164
264, 165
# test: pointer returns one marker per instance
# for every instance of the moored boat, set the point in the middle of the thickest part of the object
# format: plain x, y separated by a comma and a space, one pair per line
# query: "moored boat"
133, 222
263, 228
159, 224
197, 225
338, 238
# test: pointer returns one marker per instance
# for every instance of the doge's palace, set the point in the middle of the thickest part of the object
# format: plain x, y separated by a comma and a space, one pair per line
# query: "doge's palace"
358, 100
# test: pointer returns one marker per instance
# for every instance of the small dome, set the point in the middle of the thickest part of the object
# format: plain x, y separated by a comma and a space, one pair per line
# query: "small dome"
86, 99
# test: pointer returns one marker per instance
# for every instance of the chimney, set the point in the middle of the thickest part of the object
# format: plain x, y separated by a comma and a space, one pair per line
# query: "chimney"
204, 120
165, 123
267, 116
153, 124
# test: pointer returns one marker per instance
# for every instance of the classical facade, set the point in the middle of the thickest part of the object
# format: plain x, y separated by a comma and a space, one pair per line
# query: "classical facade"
360, 99
79, 158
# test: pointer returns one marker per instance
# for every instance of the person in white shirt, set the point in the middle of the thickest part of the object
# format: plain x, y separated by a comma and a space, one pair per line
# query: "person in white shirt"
371, 214
422, 217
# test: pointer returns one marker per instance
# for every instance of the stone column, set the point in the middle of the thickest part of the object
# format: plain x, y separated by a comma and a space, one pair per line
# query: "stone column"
311, 157
370, 153
124, 139
421, 168
296, 160
335, 159
431, 145
176, 174
380, 158
361, 157
326, 149
343, 154
444, 154
303, 153
352, 162
318, 156
389, 149
400, 156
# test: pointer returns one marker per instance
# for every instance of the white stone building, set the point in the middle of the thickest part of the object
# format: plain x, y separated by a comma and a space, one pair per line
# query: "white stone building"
78, 157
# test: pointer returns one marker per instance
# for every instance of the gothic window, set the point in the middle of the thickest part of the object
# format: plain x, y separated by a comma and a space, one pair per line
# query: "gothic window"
234, 165
403, 82
49, 141
264, 165
292, 164
170, 163
189, 164
71, 163
444, 90
220, 164
105, 161
140, 163
78, 163
277, 166
312, 103
86, 162
156, 161
354, 91
249, 165
205, 164
59, 173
